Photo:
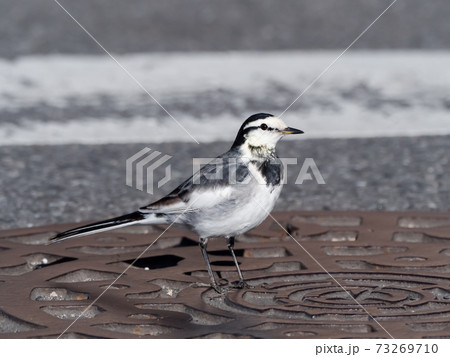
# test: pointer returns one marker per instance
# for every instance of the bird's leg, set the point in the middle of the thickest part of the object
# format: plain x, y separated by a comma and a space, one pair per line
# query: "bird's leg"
203, 243
230, 245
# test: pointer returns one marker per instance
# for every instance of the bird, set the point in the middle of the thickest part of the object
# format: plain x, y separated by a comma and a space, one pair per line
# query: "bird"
227, 197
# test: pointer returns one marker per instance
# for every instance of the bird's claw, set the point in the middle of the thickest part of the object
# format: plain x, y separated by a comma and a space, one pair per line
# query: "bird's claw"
241, 284
220, 289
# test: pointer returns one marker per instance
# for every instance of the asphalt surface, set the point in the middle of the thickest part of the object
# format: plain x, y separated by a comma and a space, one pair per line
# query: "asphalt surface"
53, 184
41, 26
67, 183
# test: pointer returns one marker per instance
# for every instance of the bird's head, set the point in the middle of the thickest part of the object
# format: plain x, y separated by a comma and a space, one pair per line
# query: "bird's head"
261, 132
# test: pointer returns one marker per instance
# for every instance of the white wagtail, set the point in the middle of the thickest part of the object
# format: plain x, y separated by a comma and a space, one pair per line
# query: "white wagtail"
225, 198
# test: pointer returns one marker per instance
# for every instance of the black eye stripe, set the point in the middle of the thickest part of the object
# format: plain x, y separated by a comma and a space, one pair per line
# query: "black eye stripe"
264, 126
252, 128
245, 131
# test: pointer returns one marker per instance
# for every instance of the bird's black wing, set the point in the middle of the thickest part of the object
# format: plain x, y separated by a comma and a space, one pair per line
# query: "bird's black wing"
220, 172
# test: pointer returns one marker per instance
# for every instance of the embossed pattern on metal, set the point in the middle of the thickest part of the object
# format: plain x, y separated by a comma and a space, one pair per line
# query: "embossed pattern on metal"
395, 264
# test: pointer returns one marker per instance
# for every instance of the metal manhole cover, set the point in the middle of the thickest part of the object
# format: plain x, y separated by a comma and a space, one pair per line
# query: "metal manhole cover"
391, 267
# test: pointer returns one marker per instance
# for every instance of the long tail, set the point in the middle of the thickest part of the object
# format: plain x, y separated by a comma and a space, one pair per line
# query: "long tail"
102, 226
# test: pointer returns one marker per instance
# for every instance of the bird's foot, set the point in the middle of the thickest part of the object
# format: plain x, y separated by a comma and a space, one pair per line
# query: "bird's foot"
220, 289
241, 284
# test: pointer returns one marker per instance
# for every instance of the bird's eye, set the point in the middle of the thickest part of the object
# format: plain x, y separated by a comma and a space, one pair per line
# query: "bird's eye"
264, 126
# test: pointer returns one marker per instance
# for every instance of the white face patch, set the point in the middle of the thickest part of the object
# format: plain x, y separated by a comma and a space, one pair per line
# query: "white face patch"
271, 122
269, 137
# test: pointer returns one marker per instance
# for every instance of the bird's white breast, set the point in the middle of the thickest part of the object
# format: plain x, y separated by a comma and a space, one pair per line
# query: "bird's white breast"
245, 207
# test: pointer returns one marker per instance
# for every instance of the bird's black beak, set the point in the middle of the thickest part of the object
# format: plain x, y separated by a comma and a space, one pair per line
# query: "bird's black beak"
289, 130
